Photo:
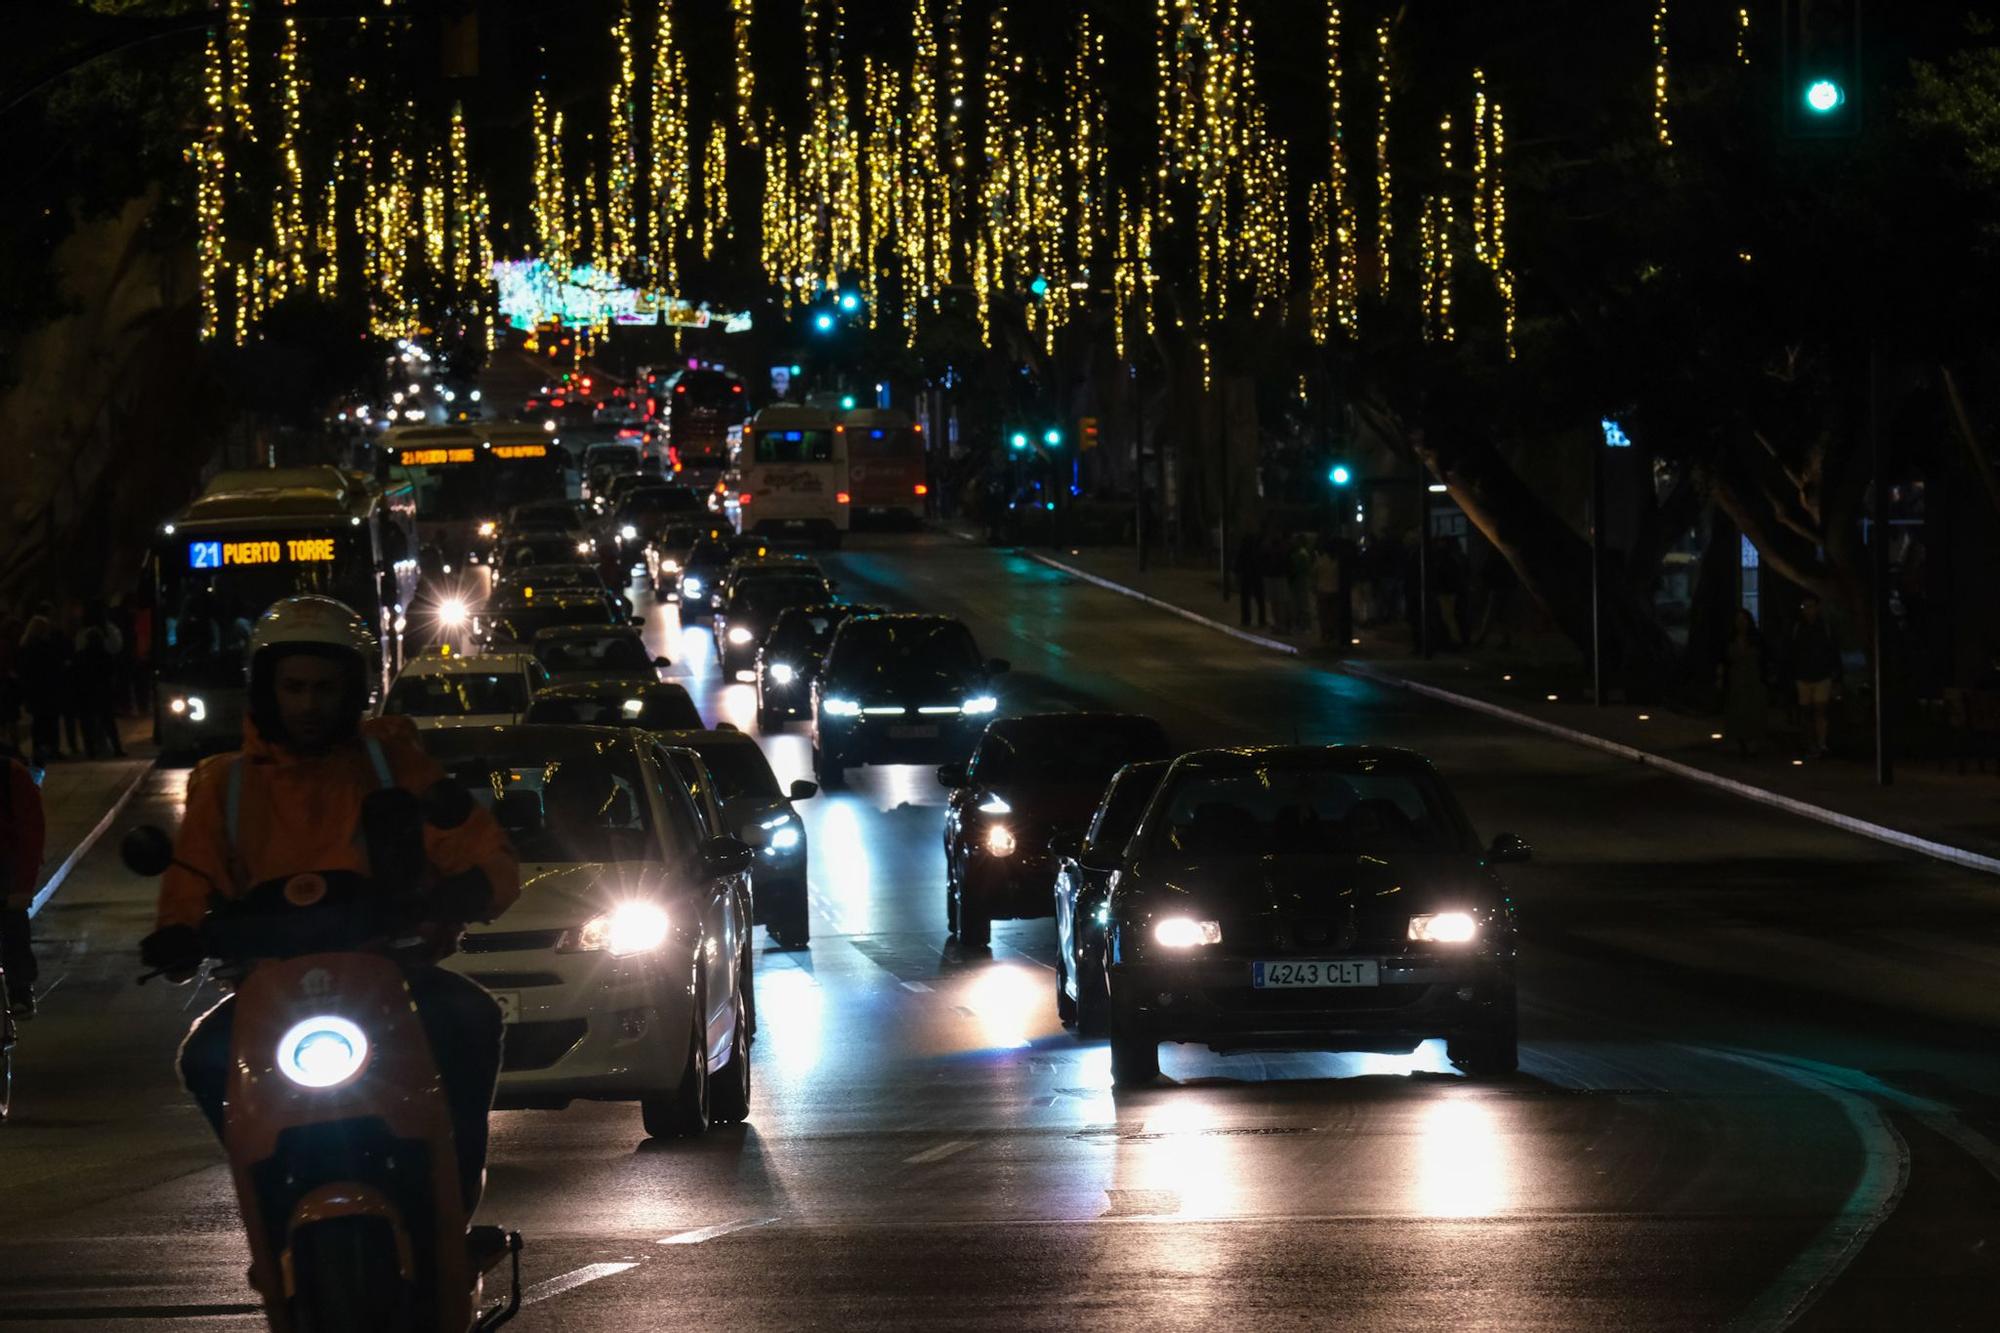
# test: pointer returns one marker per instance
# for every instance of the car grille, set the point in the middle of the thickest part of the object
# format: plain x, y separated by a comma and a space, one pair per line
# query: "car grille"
539, 1045
515, 980
509, 941
1247, 1000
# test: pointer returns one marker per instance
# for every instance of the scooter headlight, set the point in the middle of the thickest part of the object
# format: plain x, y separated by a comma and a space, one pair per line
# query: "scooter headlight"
322, 1052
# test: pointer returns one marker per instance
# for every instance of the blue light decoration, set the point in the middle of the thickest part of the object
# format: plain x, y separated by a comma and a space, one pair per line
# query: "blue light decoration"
1040, 286
1050, 505
1824, 96
530, 294
847, 402
1615, 436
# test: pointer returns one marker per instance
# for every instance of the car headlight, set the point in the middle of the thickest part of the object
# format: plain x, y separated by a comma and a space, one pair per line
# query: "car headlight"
1444, 927
451, 612
189, 706
1102, 914
691, 585
488, 528
629, 533
740, 634
999, 840
840, 707
980, 703
670, 566
583, 548
629, 928
786, 839
1180, 932
322, 1052
782, 673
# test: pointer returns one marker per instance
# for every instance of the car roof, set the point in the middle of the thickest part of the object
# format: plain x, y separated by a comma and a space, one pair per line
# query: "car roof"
437, 665
607, 685
804, 609
710, 736
532, 741
560, 598
1244, 758
584, 631
1036, 721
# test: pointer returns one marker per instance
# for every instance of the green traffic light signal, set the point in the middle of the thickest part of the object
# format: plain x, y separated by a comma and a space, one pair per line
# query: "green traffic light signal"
1052, 438
1824, 96
1340, 474
1019, 440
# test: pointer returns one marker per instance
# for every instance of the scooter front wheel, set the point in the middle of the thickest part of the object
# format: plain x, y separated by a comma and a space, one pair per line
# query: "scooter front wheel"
348, 1279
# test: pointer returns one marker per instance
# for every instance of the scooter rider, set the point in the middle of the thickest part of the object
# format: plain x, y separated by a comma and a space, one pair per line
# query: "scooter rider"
290, 803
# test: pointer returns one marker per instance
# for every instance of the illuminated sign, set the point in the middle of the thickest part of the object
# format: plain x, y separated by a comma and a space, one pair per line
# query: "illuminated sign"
520, 451
532, 294
291, 550
433, 457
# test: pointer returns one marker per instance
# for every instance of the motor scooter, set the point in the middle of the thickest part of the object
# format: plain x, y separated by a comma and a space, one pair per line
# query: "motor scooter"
336, 1124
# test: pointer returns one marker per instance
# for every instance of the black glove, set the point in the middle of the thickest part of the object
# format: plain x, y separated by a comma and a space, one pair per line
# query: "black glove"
175, 950
466, 896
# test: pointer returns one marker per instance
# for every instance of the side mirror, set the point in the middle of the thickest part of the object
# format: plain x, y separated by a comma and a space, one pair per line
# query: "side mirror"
636, 622
724, 855
1507, 849
146, 850
954, 776
663, 661
998, 666
803, 790
1064, 846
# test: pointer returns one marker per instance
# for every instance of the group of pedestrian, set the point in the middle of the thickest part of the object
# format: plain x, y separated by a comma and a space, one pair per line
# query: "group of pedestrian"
73, 676
1809, 671
1292, 583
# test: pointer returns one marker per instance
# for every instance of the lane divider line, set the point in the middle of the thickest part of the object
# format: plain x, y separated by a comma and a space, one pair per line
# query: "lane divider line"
1221, 627
82, 849
1885, 1173
917, 986
571, 1280
1791, 805
700, 1234
939, 1153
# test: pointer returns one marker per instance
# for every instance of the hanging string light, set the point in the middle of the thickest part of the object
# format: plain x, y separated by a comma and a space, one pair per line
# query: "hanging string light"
237, 17
1321, 299
1385, 221
1342, 227
211, 172
668, 184
1496, 225
292, 232
1743, 35
1435, 241
1479, 165
1660, 127
714, 188
622, 166
746, 75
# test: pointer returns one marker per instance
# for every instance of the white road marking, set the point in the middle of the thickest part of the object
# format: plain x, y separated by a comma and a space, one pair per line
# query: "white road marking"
89, 841
939, 1153
917, 986
1885, 1171
701, 1234
571, 1280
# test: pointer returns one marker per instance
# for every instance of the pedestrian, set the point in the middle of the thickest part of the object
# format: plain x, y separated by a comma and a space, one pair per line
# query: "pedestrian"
1326, 592
94, 670
1813, 660
1250, 577
1744, 675
43, 664
22, 838
1502, 584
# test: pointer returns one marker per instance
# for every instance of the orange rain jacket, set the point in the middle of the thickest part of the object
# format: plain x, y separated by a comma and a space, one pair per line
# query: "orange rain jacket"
301, 814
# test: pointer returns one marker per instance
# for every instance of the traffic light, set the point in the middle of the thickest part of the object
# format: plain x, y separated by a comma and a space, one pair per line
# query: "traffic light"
824, 321
850, 302
1018, 440
1039, 287
1822, 68
1052, 438
1340, 474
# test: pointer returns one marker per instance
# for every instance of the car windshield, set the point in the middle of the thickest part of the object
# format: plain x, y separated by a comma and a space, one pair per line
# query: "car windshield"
654, 708
806, 629
1293, 809
457, 694
605, 652
520, 623
543, 550
708, 552
739, 768
1079, 750
555, 576
1117, 818
583, 801
894, 647
766, 595
611, 457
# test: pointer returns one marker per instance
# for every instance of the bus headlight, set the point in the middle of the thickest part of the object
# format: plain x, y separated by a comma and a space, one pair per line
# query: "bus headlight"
840, 707
189, 706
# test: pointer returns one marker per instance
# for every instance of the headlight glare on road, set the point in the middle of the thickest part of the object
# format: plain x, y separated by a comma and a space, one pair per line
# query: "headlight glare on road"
836, 707
322, 1052
1444, 927
629, 928
980, 703
999, 840
670, 566
1180, 932
740, 635
782, 673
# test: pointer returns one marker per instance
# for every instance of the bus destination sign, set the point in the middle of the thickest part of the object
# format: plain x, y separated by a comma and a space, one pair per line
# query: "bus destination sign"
287, 551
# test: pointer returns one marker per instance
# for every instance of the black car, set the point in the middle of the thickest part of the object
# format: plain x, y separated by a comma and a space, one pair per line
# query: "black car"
788, 659
570, 580
593, 652
642, 510
701, 571
754, 809
1310, 898
752, 608
516, 620
1031, 780
543, 546
649, 704
902, 689
1084, 867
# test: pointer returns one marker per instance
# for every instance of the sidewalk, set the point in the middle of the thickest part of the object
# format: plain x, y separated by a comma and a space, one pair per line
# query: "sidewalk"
82, 797
1931, 808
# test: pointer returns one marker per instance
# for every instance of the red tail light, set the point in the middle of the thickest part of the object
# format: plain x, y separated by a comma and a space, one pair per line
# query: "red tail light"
841, 497
743, 497
921, 489
736, 388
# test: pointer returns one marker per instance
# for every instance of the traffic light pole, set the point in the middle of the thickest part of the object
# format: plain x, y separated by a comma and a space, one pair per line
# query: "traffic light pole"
1597, 572
1878, 563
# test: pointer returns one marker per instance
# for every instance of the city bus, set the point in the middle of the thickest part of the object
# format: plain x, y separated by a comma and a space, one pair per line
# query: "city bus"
885, 465
252, 538
696, 409
463, 478
788, 475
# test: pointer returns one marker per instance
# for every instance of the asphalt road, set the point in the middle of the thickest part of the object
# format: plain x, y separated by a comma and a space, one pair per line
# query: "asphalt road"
1692, 1142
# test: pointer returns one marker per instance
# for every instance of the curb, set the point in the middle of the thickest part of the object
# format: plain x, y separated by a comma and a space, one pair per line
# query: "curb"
1275, 645
82, 849
1958, 856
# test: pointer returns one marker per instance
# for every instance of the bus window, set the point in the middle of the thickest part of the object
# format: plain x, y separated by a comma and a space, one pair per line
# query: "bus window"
794, 446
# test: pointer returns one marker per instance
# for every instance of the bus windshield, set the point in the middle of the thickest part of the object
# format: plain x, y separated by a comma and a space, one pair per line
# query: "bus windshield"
812, 445
213, 586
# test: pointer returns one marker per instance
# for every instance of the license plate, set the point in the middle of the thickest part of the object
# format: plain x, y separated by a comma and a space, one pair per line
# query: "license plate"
510, 1005
913, 733
1314, 973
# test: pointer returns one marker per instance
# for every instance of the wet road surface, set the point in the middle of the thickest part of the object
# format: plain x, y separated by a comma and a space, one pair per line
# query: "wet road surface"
1696, 1138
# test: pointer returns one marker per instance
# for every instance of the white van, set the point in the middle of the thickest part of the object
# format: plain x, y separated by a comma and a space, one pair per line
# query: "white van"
789, 475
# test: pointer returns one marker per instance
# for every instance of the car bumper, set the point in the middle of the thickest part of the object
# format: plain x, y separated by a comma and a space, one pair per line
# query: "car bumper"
586, 1025
790, 700
1212, 1002
1009, 887
856, 741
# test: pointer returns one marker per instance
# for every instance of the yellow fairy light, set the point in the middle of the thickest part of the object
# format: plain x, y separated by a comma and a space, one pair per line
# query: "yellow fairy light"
1479, 185
1660, 75
670, 145
237, 16
291, 232
1321, 299
1435, 237
746, 77
715, 188
1743, 35
1384, 193
211, 170
623, 164
1341, 226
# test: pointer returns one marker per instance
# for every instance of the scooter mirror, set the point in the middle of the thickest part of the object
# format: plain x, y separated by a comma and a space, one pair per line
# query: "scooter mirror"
146, 850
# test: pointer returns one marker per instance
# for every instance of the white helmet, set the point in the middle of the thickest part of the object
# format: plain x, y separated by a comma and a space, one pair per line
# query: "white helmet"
313, 620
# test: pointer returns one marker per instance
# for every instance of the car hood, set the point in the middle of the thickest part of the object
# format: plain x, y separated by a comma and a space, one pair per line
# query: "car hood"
444, 720
566, 894
1058, 805
909, 688
1371, 886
